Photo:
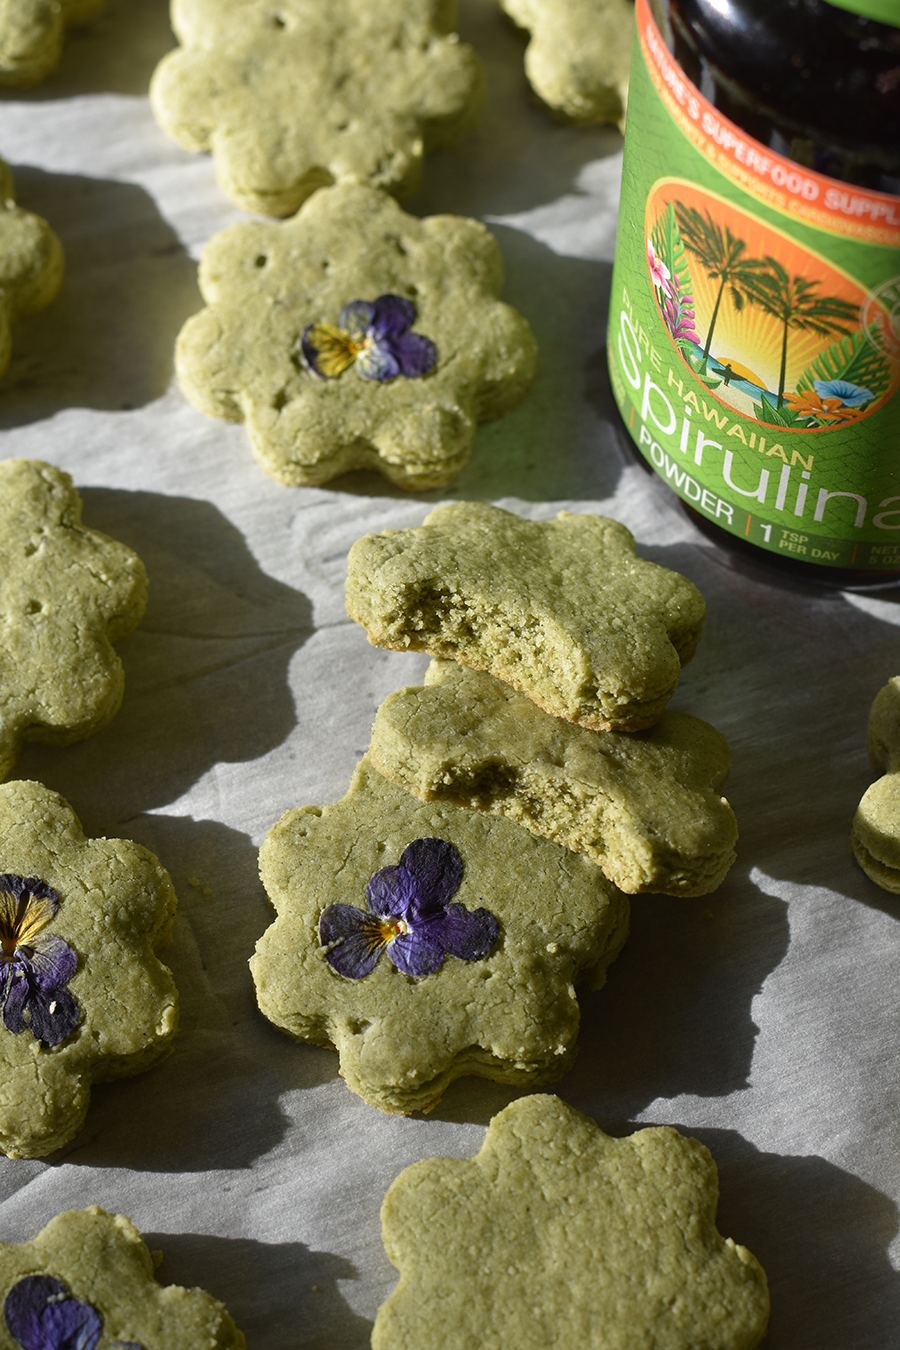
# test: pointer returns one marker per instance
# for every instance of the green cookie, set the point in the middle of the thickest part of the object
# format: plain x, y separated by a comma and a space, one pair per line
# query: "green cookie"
31, 36
247, 356
89, 1273
557, 1235
579, 55
84, 998
299, 95
476, 977
31, 262
560, 609
645, 807
66, 594
875, 832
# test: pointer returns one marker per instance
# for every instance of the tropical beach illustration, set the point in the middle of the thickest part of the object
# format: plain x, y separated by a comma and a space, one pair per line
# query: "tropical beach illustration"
773, 329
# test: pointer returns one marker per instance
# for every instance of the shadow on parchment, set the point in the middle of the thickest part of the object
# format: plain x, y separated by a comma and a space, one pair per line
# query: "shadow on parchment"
820, 1234
115, 51
206, 671
518, 156
674, 1016
107, 340
559, 442
282, 1296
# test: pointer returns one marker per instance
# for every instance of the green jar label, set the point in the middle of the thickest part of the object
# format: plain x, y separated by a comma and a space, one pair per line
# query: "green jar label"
885, 11
754, 342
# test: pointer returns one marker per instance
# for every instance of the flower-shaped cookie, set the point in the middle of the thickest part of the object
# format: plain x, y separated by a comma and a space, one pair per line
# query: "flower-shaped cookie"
31, 263
875, 832
555, 1234
87, 1281
425, 942
560, 609
31, 35
296, 95
66, 594
84, 998
319, 397
579, 55
644, 807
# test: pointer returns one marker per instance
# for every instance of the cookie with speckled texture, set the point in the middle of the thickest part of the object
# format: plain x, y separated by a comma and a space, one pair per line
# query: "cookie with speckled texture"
298, 95
644, 806
510, 1015
875, 832
31, 263
118, 1004
560, 609
242, 357
66, 594
31, 36
101, 1262
555, 1234
579, 56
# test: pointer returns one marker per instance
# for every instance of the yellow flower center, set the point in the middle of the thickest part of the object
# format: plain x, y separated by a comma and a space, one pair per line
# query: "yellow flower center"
20, 920
388, 929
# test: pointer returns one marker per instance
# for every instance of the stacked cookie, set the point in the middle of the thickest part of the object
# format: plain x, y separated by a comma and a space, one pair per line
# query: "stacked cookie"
31, 260
421, 930
425, 942
875, 832
568, 649
645, 807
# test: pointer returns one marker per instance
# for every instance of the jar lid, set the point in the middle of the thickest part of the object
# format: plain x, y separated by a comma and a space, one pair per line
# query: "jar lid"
885, 11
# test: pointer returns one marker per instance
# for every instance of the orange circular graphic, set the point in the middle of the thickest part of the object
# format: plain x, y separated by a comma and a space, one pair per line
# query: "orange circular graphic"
774, 330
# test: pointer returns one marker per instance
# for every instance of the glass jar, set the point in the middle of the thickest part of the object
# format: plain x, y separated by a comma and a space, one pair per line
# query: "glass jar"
754, 341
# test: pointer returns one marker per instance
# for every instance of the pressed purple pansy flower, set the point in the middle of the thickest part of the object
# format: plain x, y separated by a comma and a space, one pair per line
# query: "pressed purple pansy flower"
375, 335
35, 967
41, 1314
409, 916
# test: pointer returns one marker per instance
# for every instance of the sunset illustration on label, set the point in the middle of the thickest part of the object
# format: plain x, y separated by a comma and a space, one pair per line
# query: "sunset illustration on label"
772, 329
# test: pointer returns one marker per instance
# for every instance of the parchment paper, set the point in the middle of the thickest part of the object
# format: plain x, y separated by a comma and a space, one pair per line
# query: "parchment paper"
762, 1019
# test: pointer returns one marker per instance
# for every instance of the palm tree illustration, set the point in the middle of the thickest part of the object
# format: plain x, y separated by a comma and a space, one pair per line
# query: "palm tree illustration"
794, 302
720, 253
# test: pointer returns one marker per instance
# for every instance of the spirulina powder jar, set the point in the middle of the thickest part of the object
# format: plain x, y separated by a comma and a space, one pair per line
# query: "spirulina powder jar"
754, 339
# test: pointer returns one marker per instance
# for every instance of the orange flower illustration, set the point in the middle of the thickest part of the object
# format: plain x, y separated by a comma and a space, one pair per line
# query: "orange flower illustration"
829, 411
